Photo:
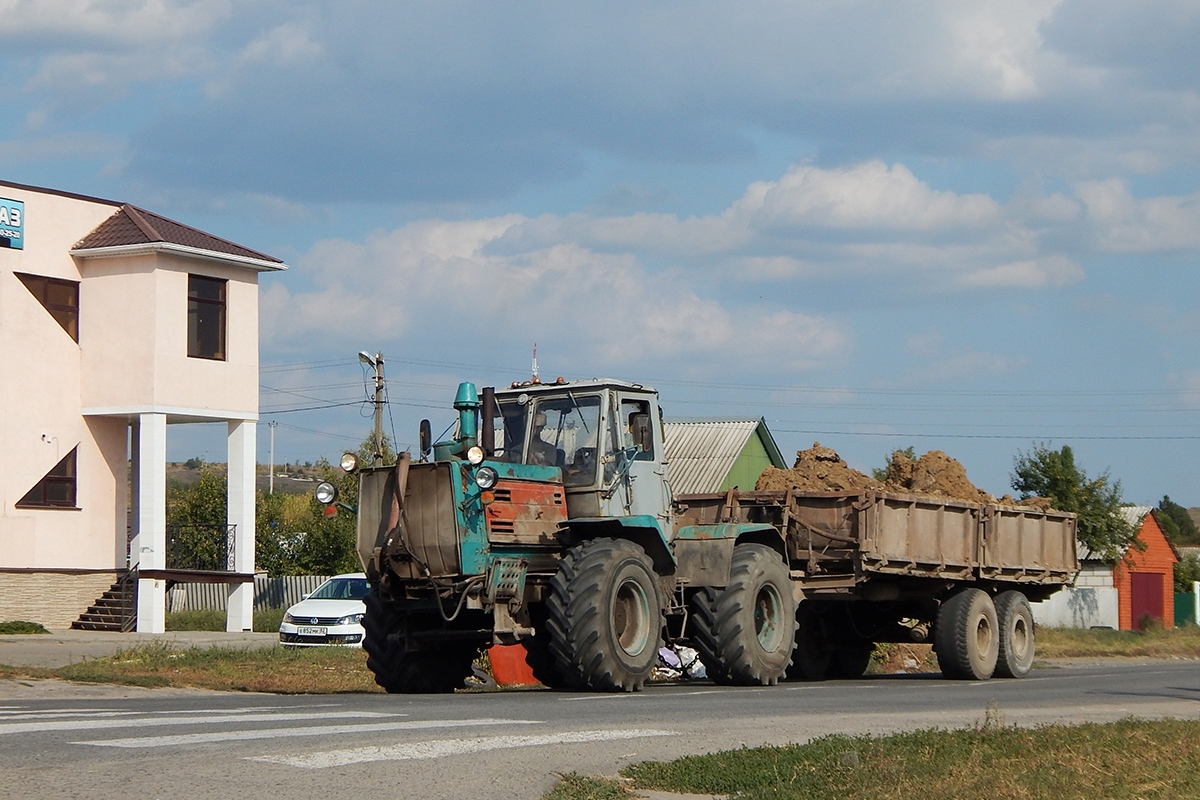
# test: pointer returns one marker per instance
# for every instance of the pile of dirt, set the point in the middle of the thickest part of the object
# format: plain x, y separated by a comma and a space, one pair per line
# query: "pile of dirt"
934, 473
820, 469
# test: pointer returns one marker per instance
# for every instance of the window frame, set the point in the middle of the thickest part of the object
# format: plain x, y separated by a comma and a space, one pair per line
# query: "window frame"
199, 325
39, 497
40, 285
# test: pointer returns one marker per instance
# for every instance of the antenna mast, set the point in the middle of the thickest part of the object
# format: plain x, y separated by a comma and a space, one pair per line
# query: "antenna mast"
535, 378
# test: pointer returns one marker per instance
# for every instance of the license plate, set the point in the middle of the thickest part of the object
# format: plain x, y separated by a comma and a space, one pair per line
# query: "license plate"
309, 630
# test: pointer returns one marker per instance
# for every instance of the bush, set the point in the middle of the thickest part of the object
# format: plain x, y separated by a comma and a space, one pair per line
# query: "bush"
21, 627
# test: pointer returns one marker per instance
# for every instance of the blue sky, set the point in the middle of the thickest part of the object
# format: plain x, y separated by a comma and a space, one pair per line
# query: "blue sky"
972, 227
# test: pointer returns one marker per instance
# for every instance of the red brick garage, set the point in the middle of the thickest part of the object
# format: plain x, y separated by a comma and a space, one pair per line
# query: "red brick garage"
1145, 578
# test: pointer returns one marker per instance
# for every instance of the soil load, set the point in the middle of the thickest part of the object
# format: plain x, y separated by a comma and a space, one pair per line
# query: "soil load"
821, 469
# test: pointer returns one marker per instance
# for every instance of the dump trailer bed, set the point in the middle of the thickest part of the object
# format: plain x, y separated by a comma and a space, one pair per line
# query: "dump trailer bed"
878, 543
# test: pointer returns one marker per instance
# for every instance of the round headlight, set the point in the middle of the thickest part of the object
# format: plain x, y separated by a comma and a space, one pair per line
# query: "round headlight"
475, 455
349, 462
326, 492
485, 477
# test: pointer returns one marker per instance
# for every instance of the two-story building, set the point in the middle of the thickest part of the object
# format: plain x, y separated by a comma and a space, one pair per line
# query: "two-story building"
115, 323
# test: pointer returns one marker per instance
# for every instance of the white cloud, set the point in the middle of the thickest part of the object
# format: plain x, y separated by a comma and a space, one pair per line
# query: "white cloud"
1052, 272
1125, 224
868, 195
608, 306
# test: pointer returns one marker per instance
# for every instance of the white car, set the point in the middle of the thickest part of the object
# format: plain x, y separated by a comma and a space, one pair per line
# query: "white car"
331, 615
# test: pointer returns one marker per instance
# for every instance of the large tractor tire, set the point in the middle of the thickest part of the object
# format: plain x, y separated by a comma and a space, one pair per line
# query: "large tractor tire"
967, 636
604, 616
745, 632
812, 658
851, 660
1015, 619
437, 669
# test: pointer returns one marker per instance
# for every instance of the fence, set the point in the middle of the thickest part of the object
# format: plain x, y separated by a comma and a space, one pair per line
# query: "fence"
269, 593
1187, 607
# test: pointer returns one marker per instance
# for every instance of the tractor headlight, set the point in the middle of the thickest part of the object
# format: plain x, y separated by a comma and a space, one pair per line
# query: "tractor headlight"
326, 492
349, 462
485, 477
475, 455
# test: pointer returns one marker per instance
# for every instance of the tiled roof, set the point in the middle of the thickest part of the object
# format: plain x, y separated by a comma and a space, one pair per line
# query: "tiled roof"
131, 225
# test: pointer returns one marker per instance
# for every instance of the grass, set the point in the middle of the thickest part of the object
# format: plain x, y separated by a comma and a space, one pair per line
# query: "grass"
314, 670
266, 621
1156, 643
1127, 759
20, 627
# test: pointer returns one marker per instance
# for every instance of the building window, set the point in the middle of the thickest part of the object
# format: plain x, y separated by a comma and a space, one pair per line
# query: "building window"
57, 489
59, 297
206, 317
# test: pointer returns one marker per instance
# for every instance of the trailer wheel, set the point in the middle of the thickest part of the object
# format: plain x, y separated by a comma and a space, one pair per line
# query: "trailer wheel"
605, 616
812, 658
852, 660
967, 637
438, 669
1016, 635
702, 621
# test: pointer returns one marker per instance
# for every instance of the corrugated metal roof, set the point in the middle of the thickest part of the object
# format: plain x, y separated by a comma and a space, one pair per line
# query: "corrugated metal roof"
1135, 514
701, 454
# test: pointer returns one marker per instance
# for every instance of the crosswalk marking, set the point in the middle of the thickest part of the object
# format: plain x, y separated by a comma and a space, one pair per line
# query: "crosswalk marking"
91, 724
283, 733
452, 747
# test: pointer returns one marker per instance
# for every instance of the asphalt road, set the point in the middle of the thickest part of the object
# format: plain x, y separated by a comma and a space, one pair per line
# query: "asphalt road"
59, 740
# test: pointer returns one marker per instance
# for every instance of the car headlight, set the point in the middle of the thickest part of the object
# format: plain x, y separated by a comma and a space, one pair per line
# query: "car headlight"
288, 618
350, 619
485, 477
349, 462
475, 455
325, 493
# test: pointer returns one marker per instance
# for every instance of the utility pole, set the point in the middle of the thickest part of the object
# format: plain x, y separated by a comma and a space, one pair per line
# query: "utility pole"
271, 460
377, 363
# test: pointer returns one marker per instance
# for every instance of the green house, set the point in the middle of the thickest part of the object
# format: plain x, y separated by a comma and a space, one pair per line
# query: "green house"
715, 455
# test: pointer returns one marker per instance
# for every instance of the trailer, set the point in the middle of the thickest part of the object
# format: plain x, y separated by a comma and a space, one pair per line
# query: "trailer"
869, 567
548, 520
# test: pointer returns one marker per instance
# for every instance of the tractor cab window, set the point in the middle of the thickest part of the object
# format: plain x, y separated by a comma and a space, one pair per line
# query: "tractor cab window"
632, 436
564, 433
510, 432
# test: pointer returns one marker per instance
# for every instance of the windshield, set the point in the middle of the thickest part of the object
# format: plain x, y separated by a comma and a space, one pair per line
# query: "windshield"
563, 434
341, 589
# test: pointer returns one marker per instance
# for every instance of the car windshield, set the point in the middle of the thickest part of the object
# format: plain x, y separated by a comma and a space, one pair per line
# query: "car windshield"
341, 589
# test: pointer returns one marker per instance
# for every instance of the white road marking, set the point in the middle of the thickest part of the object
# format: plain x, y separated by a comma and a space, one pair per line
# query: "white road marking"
450, 747
98, 713
284, 733
91, 724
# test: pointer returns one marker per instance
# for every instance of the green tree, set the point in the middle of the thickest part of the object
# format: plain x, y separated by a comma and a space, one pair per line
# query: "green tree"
881, 473
1176, 522
1053, 474
196, 522
1187, 571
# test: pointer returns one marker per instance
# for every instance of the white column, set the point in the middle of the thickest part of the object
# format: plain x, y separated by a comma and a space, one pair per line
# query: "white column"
240, 616
150, 544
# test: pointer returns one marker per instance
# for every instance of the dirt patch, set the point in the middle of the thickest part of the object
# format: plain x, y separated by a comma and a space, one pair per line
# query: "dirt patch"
821, 469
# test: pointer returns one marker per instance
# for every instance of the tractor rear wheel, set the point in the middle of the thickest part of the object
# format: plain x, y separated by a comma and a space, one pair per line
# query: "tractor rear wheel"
745, 632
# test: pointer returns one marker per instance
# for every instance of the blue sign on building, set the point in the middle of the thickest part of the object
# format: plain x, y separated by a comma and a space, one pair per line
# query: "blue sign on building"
12, 224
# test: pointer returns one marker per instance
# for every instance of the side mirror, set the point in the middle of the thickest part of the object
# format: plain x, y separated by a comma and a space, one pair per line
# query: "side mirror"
426, 438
